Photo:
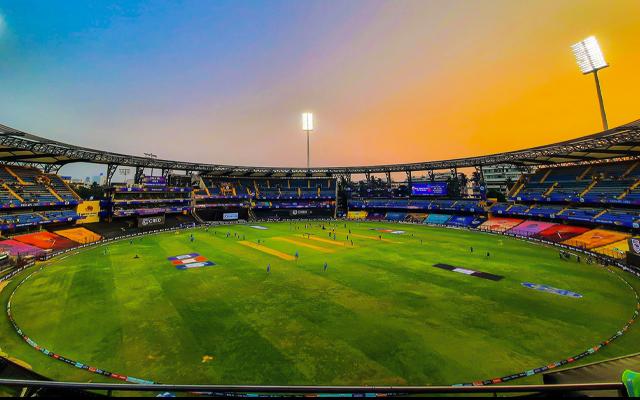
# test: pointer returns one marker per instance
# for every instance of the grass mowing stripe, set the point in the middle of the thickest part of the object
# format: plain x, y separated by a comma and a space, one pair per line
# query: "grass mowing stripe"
373, 238
303, 244
267, 250
332, 242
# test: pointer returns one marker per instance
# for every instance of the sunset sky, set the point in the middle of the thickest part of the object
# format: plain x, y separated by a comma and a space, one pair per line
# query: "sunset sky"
388, 81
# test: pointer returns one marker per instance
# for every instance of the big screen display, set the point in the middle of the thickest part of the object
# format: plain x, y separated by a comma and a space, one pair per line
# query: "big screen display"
429, 189
154, 181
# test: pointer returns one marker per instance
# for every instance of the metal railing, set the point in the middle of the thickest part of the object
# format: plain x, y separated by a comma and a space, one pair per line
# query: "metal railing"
235, 390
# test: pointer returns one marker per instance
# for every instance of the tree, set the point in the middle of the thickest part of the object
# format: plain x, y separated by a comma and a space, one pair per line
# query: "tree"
476, 178
463, 181
453, 184
94, 191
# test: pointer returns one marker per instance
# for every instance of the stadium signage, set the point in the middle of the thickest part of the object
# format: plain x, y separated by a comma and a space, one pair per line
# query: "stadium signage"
634, 245
90, 210
552, 290
357, 214
429, 189
230, 216
470, 272
39, 204
145, 222
154, 181
190, 261
300, 212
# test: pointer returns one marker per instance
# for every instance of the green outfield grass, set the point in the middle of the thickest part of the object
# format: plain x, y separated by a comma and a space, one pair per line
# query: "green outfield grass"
381, 313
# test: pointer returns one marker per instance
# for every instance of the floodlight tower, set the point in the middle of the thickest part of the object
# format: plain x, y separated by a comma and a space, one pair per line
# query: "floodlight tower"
307, 126
590, 60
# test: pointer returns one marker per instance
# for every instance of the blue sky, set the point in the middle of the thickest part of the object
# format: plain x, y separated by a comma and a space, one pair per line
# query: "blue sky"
389, 80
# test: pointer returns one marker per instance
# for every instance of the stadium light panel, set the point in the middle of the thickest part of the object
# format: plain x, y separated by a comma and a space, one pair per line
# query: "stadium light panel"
589, 55
307, 121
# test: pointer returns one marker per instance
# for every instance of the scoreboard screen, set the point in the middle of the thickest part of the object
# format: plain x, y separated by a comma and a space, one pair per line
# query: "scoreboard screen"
429, 189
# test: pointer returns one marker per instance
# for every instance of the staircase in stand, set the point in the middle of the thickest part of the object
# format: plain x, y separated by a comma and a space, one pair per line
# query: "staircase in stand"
584, 173
11, 192
54, 194
630, 169
194, 214
550, 190
598, 215
629, 189
10, 172
544, 178
591, 185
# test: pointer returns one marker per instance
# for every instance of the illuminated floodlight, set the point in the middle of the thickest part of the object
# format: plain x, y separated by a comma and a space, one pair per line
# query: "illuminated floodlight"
591, 60
589, 55
307, 121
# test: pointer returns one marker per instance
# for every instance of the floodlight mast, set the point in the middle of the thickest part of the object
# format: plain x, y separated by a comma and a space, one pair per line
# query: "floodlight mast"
590, 60
307, 126
603, 113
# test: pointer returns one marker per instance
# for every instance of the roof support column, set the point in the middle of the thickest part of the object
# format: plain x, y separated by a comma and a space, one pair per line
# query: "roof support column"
52, 168
111, 170
409, 181
480, 174
138, 178
346, 177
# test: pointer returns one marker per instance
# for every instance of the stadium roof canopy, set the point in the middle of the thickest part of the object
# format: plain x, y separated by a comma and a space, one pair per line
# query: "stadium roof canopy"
17, 147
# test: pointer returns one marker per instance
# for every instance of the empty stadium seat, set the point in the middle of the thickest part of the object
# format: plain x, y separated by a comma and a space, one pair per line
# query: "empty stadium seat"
465, 221
395, 216
500, 224
437, 219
